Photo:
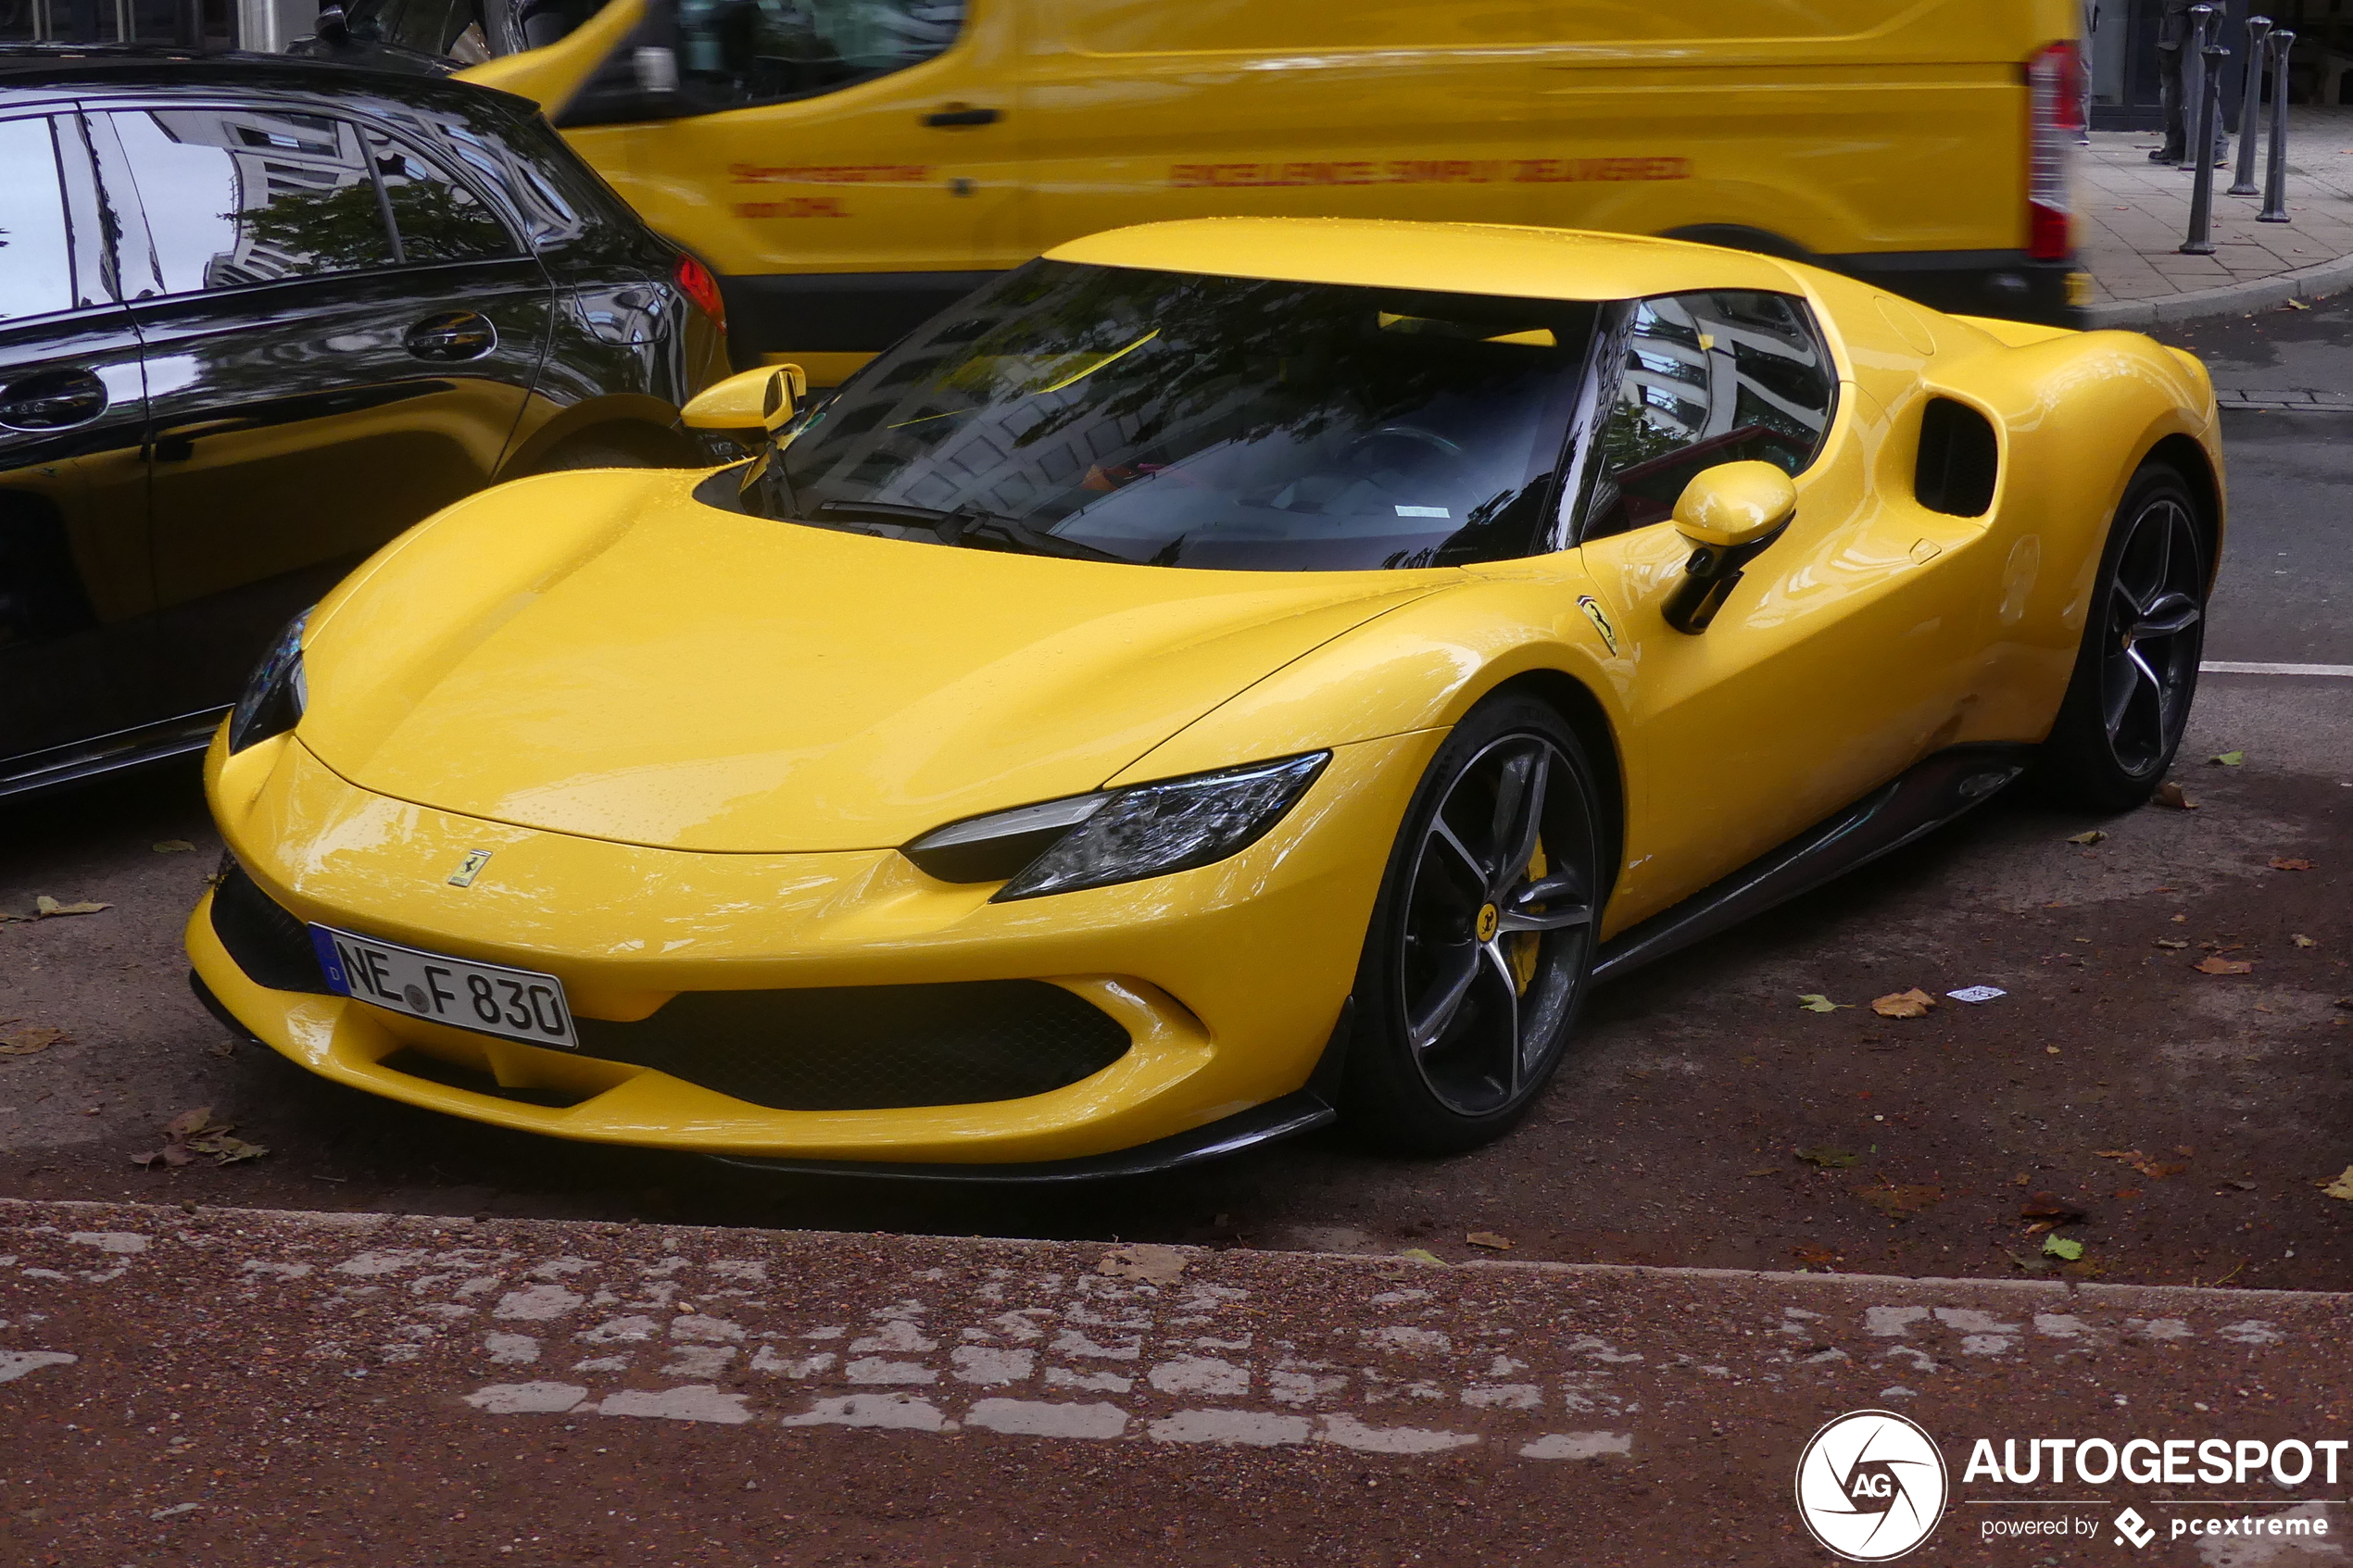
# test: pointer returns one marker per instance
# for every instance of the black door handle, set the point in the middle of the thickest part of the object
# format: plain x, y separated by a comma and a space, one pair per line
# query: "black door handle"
960, 114
52, 400
452, 335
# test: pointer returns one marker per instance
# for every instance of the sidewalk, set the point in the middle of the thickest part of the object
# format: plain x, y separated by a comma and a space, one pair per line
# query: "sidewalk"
2135, 215
241, 1386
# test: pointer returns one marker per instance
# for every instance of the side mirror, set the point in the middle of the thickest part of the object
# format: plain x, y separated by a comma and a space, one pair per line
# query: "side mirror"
750, 403
1730, 513
331, 27
1735, 504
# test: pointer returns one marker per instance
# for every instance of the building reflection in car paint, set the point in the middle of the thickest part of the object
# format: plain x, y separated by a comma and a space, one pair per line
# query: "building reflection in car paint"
73, 502
308, 416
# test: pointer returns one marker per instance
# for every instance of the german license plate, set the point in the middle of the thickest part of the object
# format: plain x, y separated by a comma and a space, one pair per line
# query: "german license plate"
519, 1004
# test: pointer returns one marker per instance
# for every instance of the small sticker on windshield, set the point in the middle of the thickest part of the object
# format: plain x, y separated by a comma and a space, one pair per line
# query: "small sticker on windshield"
1423, 512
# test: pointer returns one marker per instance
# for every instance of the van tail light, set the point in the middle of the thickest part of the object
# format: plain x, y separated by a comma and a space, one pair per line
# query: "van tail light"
695, 278
2055, 121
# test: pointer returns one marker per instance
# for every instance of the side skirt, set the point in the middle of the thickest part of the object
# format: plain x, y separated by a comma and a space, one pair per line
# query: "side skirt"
1930, 794
71, 764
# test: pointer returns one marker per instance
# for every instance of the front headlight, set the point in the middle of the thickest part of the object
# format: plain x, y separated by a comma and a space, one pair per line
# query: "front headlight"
274, 697
1118, 835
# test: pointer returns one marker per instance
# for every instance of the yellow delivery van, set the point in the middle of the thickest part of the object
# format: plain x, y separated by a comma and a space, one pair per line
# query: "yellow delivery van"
850, 166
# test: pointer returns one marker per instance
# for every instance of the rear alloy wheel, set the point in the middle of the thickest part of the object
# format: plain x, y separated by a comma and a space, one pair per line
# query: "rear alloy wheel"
1482, 939
2129, 700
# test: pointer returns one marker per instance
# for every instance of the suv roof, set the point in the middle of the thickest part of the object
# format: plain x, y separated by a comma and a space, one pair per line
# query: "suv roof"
111, 67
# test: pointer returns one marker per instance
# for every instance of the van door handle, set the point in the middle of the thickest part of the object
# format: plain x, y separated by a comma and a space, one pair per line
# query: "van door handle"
962, 113
52, 400
452, 335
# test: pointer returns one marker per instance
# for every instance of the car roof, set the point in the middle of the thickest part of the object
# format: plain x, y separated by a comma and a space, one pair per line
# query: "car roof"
1489, 259
54, 70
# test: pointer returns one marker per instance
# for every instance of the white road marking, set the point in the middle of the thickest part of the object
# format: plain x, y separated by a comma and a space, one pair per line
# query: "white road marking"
1579, 1445
16, 1363
2242, 666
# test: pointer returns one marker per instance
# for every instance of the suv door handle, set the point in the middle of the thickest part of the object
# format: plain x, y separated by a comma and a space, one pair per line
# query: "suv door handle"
962, 113
452, 335
52, 400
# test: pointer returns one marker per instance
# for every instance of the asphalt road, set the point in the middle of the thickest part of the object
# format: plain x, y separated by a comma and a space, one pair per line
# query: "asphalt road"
1670, 1137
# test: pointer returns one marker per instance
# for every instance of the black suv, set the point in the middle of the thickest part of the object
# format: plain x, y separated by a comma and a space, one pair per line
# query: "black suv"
257, 317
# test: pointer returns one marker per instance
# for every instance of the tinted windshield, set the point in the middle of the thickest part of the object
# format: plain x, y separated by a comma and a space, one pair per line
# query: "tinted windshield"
1177, 420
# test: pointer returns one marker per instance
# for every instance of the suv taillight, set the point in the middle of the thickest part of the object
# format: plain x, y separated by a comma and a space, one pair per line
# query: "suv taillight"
703, 289
2054, 121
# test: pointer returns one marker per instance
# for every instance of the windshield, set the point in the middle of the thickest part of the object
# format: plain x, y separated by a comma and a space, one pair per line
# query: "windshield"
1171, 419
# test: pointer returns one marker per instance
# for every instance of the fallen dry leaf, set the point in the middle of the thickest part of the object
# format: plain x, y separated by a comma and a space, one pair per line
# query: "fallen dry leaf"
24, 1042
2341, 1187
2281, 863
172, 846
2228, 759
1901, 1202
1767, 1171
194, 1132
2153, 1170
2061, 1247
1490, 1240
1813, 1255
2168, 941
2220, 965
2050, 1208
2090, 835
2301, 940
2171, 794
1913, 1003
1423, 1255
1827, 1158
1813, 1001
1143, 1260
46, 906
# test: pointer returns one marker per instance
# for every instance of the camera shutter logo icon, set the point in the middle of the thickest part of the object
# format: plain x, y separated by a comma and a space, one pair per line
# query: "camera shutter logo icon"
1872, 1486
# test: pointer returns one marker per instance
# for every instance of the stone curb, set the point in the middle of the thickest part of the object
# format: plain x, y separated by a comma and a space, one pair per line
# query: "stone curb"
14, 1210
2316, 282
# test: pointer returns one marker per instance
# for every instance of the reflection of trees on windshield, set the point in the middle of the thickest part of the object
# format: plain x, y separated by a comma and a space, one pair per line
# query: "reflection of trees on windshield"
1170, 415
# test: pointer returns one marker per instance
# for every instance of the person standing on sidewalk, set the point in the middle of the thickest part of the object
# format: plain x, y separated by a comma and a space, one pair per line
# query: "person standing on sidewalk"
2174, 37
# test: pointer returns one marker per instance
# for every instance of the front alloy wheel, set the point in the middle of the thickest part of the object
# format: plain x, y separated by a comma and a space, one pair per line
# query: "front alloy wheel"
1482, 938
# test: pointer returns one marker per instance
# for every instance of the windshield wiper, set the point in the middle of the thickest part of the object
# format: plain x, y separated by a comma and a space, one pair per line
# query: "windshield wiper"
968, 525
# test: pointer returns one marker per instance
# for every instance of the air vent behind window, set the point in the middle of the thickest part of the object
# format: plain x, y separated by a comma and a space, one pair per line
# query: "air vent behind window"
1958, 459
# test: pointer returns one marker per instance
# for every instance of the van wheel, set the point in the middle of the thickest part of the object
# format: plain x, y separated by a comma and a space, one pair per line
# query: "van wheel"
1482, 942
2128, 701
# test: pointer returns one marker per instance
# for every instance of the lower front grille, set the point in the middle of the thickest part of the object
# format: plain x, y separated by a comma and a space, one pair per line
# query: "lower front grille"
870, 1048
267, 942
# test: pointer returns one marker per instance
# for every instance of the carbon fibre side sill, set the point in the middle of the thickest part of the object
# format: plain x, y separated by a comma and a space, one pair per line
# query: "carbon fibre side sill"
1298, 1112
1930, 794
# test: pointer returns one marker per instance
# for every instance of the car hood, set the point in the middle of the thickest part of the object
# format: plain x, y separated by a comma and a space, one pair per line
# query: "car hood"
607, 657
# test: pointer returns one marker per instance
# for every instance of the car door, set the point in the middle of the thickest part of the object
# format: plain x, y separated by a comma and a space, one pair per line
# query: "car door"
1832, 666
74, 589
849, 167
339, 336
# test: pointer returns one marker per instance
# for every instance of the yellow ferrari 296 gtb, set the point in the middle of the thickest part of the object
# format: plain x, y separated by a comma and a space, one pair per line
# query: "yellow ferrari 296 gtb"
1223, 675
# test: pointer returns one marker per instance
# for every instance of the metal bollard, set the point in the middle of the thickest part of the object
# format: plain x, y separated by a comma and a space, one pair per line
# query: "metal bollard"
2275, 163
2201, 127
2084, 72
2250, 106
2194, 78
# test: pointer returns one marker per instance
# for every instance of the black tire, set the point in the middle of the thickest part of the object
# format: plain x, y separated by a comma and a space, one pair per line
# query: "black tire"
1482, 942
2128, 701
